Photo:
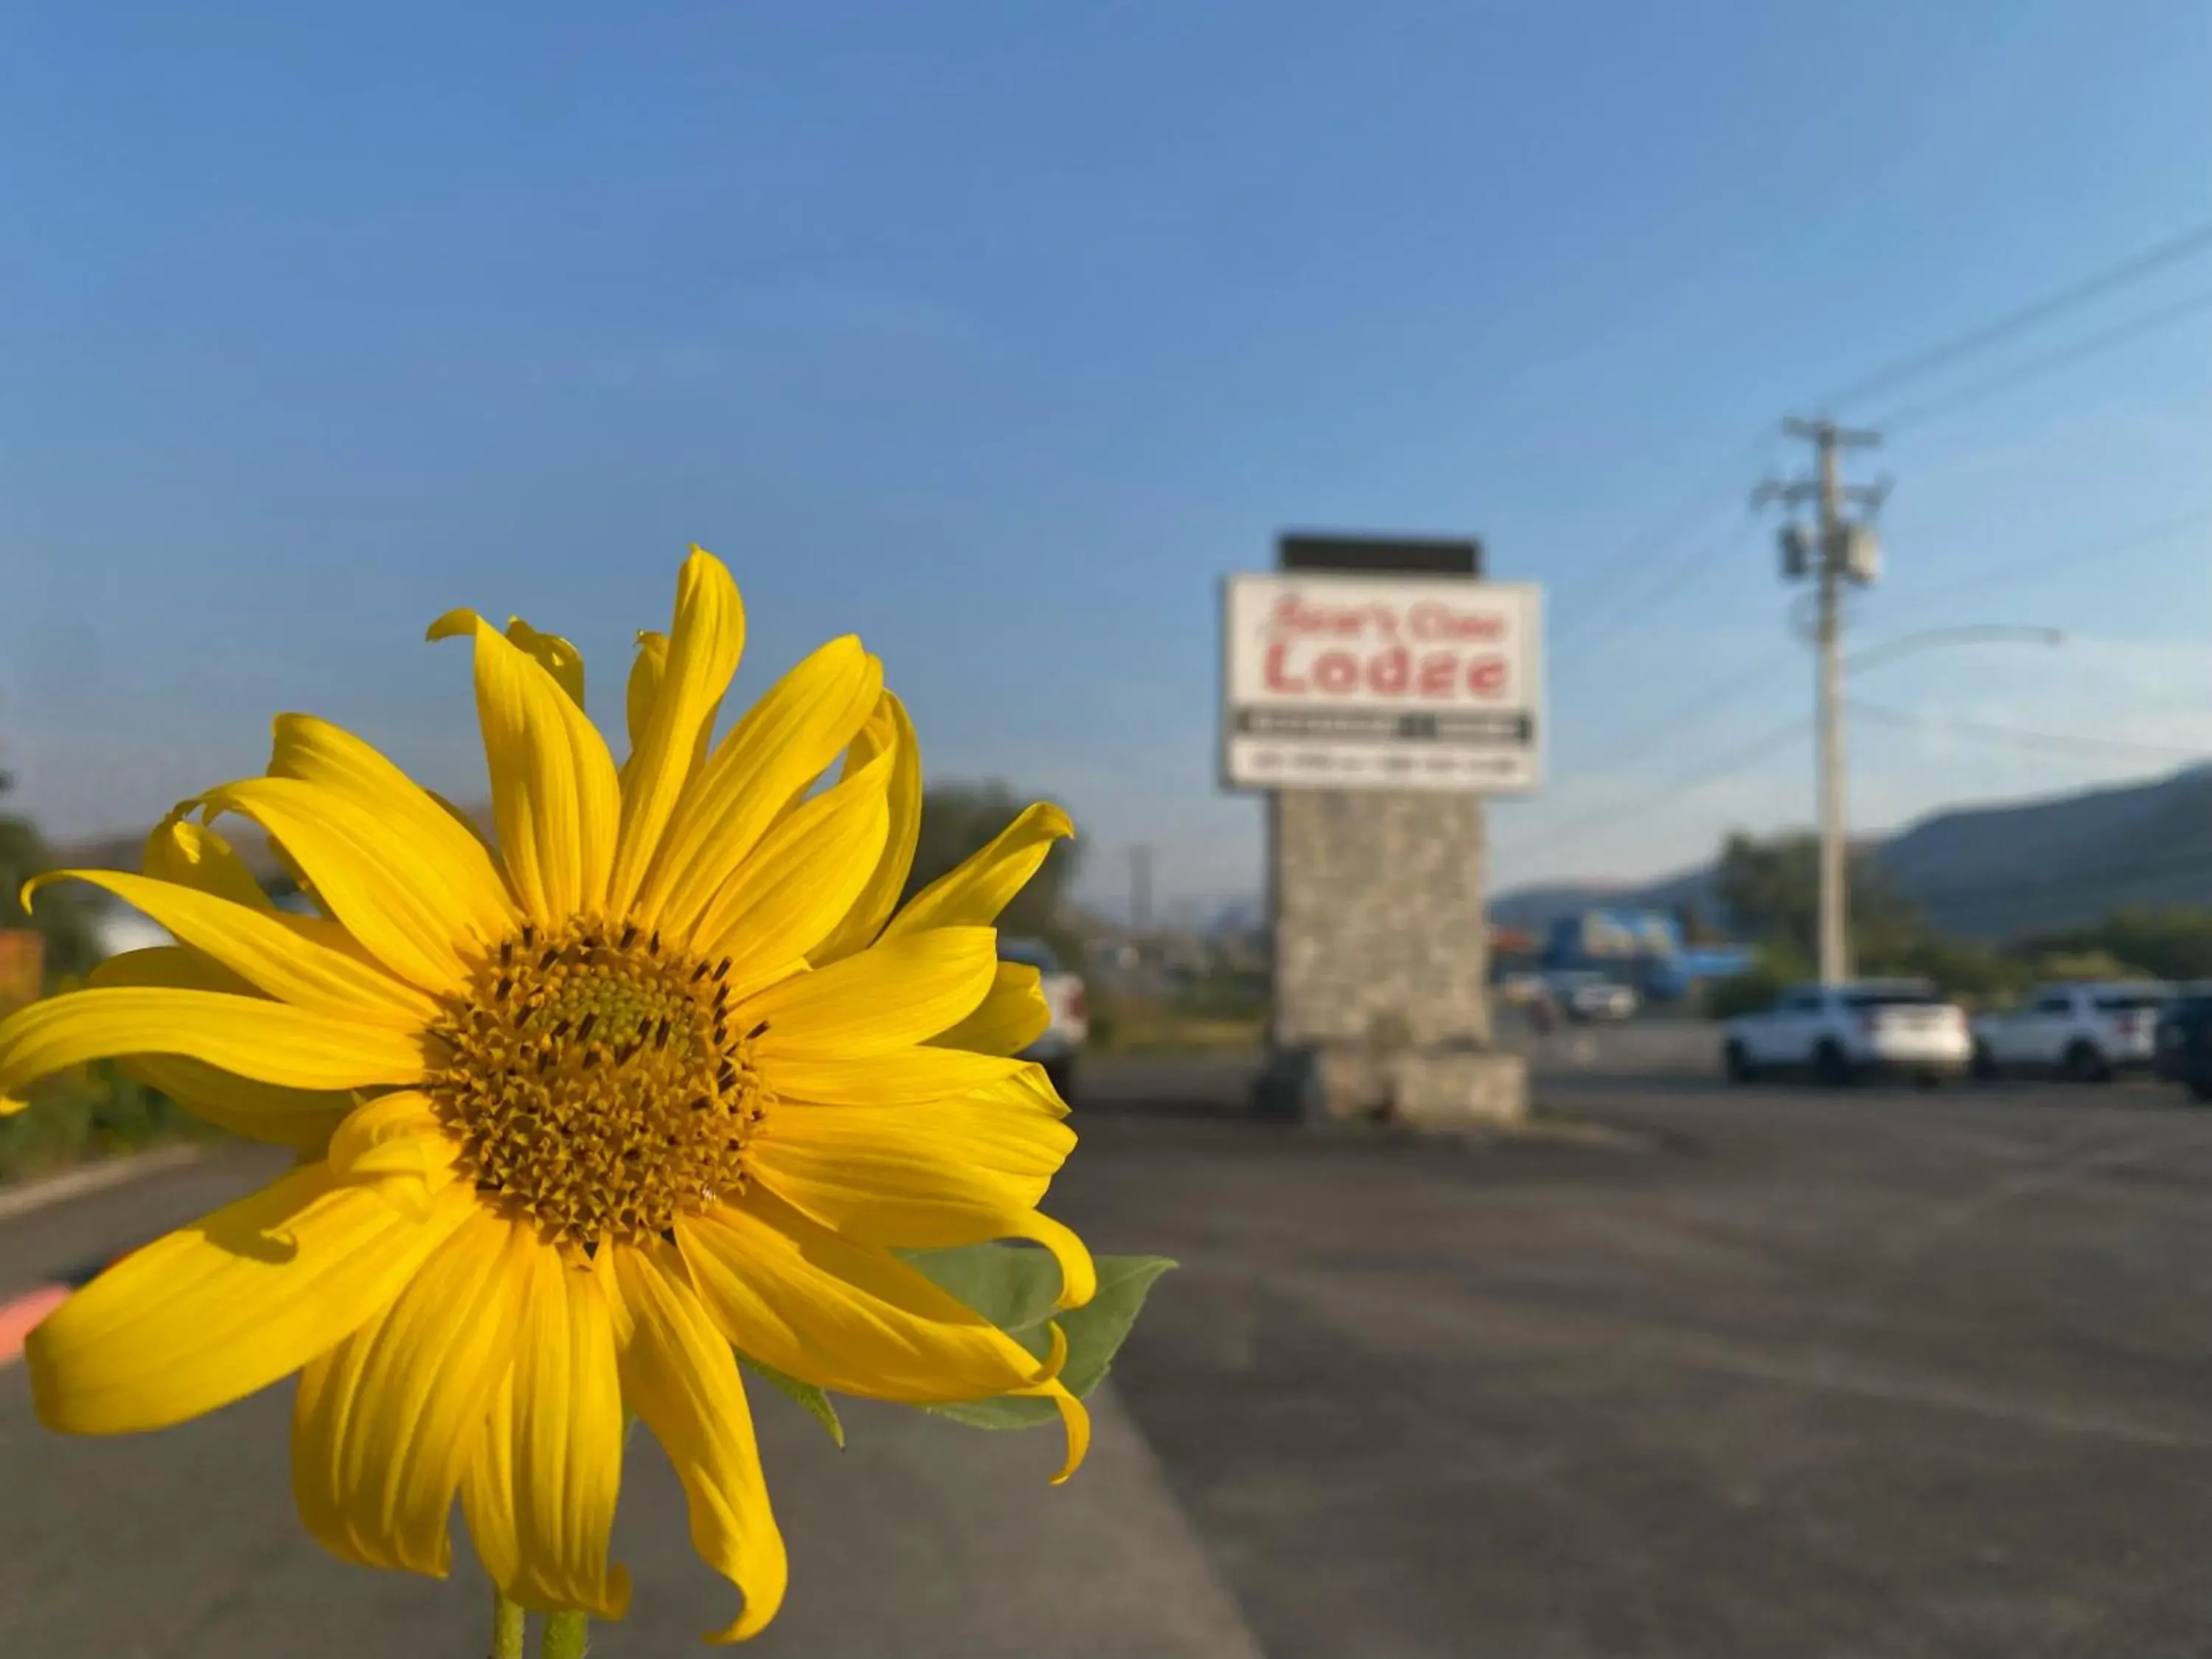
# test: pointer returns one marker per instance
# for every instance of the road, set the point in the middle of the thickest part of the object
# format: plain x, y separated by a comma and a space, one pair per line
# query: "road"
924, 1539
1690, 1372
1727, 1373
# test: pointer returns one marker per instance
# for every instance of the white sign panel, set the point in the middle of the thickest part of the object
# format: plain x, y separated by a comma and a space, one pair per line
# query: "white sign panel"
1337, 681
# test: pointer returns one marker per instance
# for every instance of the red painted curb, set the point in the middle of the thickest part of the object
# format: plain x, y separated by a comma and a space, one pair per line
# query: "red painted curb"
16, 1317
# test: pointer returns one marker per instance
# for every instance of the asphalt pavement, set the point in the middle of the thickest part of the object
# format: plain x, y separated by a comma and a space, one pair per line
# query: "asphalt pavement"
925, 1539
1694, 1372
1688, 1372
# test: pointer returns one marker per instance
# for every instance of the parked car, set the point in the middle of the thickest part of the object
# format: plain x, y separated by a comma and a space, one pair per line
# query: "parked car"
1582, 995
1062, 1045
2087, 1031
1519, 990
1838, 1033
2181, 1044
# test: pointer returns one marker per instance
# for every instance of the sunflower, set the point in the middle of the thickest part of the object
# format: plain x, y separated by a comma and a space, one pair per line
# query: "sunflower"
659, 1077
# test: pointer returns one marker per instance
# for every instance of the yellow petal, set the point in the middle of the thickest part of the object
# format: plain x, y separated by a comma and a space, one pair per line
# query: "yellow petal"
376, 879
234, 1302
900, 1078
488, 1493
261, 948
555, 655
894, 993
553, 790
843, 1315
268, 1041
299, 1118
797, 883
541, 1488
315, 751
647, 671
888, 731
396, 1134
978, 890
1074, 1417
919, 1150
1011, 1018
193, 855
384, 1424
1030, 1086
680, 1377
926, 1177
784, 743
704, 643
302, 1119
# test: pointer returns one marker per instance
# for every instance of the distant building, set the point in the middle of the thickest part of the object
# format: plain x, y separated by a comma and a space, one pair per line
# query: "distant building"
1639, 947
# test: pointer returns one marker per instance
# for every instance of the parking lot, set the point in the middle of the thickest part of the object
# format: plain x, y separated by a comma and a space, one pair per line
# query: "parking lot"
1701, 1372
1688, 1372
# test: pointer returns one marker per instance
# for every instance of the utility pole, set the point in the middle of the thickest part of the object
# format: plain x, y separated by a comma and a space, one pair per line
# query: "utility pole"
1140, 888
1838, 549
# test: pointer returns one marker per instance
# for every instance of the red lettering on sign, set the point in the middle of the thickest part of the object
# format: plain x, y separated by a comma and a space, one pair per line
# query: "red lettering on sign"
1294, 615
1432, 619
1336, 673
1485, 676
1439, 674
1278, 680
1389, 671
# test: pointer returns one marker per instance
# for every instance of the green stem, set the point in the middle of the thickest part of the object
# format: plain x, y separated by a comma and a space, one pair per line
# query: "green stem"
568, 1636
506, 1628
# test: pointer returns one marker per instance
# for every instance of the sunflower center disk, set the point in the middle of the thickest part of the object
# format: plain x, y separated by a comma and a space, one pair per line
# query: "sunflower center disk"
596, 1084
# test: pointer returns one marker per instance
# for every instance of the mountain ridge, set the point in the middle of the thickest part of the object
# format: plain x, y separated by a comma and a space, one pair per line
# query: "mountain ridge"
1985, 872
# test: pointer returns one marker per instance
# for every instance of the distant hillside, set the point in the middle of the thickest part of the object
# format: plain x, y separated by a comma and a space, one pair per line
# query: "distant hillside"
1992, 871
1997, 872
1533, 909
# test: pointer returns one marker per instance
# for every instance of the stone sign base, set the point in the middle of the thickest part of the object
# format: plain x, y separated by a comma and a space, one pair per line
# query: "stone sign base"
1453, 1090
1424, 1089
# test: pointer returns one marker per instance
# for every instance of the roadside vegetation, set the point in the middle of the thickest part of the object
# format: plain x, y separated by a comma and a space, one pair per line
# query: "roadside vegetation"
1770, 891
96, 1112
1214, 1007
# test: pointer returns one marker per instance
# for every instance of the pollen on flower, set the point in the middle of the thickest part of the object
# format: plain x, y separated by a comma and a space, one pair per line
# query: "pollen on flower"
595, 1084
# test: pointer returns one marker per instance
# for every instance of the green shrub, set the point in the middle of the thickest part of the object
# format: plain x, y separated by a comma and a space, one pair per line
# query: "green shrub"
98, 1114
1772, 970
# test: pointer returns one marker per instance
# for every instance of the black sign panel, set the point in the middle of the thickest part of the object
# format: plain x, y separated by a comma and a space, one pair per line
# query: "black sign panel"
1415, 556
1484, 726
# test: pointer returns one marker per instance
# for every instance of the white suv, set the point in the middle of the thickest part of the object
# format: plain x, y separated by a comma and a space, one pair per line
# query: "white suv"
1838, 1033
1061, 1043
2088, 1032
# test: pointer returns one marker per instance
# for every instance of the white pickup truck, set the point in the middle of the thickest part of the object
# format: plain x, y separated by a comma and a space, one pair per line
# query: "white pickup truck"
1837, 1033
1058, 1049
2086, 1031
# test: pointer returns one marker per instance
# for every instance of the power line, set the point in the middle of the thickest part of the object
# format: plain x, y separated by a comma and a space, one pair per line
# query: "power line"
1724, 486
1664, 588
2017, 736
1576, 636
2026, 317
1721, 766
2064, 357
1713, 697
2013, 569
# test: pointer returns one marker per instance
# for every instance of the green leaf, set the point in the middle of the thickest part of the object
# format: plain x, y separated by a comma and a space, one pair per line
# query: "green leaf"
815, 1403
1014, 1286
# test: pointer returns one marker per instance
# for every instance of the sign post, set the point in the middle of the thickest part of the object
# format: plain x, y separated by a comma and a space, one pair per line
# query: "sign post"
1377, 691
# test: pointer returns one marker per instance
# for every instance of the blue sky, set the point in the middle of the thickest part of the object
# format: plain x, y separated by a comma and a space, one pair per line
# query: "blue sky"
998, 333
